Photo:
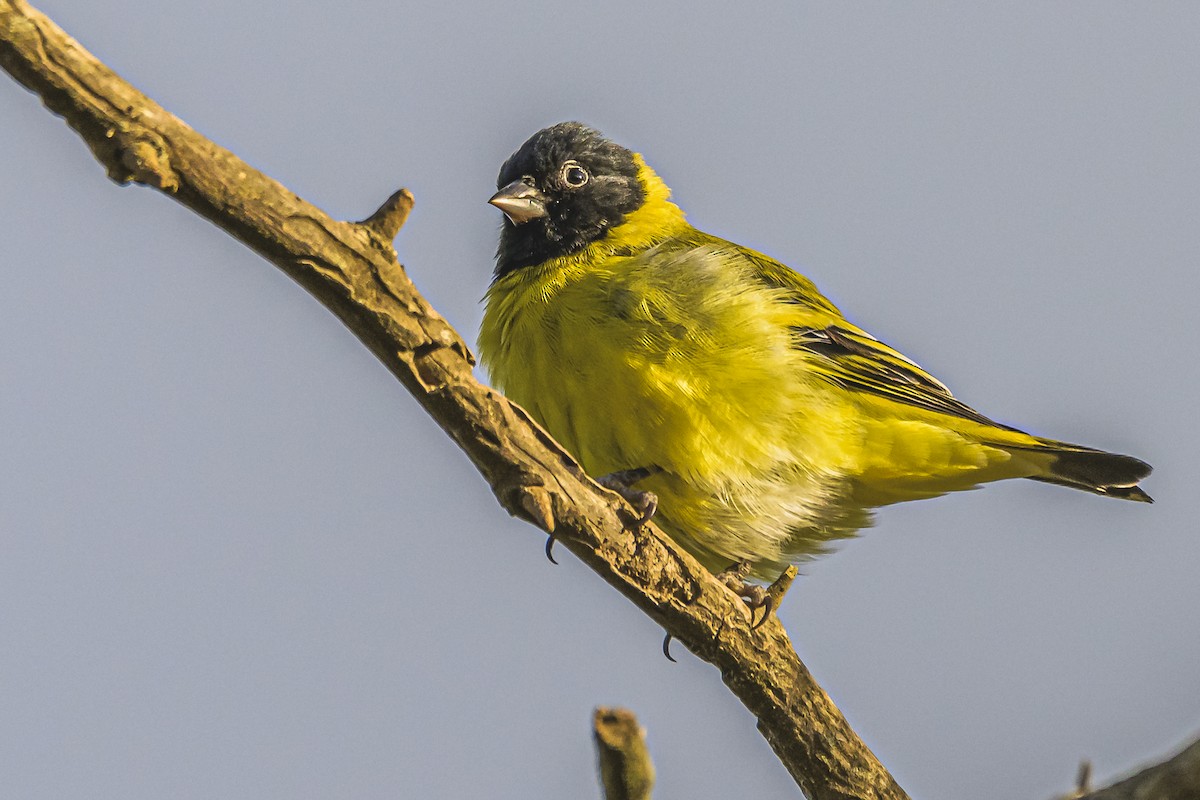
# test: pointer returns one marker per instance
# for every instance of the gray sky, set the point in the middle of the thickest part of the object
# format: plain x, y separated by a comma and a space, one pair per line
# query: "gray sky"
237, 561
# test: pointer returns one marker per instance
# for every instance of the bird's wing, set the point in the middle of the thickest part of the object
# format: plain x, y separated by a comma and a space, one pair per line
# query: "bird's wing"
855, 360
850, 357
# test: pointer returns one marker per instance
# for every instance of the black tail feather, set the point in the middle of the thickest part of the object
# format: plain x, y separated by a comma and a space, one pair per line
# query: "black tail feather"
1098, 472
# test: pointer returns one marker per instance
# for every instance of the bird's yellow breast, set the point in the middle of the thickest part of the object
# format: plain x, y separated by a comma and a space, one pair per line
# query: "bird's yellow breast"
657, 358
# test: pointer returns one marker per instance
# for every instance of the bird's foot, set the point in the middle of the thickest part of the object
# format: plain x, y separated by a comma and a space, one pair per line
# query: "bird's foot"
756, 597
621, 482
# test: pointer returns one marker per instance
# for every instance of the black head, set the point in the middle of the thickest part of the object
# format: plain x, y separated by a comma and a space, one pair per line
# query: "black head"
563, 189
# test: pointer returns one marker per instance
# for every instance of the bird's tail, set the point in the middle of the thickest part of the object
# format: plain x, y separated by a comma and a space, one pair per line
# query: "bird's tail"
1091, 470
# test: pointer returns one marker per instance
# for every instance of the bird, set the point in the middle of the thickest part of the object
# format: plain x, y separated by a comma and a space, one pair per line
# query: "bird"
713, 386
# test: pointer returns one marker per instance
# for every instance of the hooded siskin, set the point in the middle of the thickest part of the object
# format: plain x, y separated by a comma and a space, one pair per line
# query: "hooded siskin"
775, 425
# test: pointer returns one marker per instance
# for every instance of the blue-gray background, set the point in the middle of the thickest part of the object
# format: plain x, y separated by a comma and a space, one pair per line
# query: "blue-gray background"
237, 560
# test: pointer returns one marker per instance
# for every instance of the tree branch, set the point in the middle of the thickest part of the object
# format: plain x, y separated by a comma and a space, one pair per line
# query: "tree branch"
352, 269
1177, 778
626, 771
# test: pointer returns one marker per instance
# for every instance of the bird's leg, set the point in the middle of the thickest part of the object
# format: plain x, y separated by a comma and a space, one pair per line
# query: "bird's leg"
756, 597
621, 482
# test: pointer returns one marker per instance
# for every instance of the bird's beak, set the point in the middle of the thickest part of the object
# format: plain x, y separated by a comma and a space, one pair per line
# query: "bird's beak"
520, 202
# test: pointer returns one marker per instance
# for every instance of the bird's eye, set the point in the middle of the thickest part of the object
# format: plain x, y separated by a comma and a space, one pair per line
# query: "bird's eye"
574, 175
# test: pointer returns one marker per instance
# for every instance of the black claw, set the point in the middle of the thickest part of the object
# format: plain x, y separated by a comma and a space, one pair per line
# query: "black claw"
768, 607
621, 482
667, 648
755, 597
649, 507
550, 540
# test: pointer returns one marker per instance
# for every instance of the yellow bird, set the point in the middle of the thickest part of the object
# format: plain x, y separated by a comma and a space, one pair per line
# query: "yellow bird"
692, 371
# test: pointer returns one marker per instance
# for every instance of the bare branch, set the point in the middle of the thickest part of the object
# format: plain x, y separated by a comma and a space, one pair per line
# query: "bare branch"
390, 217
352, 269
1083, 779
1177, 778
626, 771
